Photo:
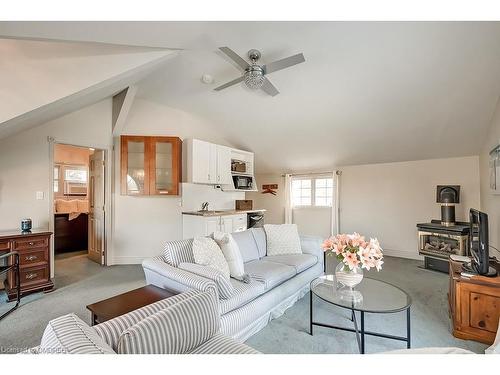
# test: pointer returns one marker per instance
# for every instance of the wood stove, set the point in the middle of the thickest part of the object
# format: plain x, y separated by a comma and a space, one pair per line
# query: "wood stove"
436, 242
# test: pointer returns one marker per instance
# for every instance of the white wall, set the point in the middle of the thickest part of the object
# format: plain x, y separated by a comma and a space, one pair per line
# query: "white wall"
274, 204
313, 221
490, 203
388, 200
193, 195
25, 162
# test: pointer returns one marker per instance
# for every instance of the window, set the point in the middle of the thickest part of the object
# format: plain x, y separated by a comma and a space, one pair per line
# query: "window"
301, 192
323, 191
56, 179
75, 175
316, 191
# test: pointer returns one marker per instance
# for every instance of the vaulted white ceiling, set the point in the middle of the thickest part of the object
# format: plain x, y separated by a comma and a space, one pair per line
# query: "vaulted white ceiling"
368, 91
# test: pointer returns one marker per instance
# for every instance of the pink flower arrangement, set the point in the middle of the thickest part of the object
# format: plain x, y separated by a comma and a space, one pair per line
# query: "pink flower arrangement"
354, 251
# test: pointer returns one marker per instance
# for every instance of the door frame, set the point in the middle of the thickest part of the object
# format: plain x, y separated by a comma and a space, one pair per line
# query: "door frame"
108, 205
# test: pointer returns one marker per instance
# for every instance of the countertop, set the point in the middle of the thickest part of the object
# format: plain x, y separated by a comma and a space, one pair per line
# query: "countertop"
221, 212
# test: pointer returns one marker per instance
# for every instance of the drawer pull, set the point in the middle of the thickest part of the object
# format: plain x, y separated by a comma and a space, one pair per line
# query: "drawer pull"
31, 276
31, 257
31, 243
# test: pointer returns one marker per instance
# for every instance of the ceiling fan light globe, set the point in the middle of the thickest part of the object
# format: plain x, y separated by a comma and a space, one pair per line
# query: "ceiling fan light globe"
254, 77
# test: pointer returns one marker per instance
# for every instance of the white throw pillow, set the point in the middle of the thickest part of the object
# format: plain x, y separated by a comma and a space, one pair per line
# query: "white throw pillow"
232, 253
282, 239
207, 253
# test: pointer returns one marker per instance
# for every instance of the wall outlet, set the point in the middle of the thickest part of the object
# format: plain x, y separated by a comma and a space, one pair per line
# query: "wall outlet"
39, 195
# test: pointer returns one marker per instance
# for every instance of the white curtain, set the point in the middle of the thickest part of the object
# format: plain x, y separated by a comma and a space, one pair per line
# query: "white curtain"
335, 216
288, 199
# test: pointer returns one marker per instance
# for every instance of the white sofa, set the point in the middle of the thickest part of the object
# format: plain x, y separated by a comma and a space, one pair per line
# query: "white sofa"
276, 282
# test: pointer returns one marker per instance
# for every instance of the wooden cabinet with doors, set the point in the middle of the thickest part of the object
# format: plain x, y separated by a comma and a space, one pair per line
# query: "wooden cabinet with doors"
150, 165
474, 304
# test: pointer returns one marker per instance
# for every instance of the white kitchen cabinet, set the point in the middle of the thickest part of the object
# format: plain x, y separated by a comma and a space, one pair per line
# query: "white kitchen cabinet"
199, 226
212, 224
239, 223
226, 224
224, 176
196, 161
208, 163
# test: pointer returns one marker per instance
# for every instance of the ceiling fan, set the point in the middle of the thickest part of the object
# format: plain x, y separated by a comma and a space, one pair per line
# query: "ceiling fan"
254, 75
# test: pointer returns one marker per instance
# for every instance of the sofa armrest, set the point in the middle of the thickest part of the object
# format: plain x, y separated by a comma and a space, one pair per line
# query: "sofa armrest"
111, 330
312, 245
224, 287
163, 275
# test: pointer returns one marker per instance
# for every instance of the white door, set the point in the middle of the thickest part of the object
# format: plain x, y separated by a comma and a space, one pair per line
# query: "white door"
96, 232
201, 162
224, 165
212, 224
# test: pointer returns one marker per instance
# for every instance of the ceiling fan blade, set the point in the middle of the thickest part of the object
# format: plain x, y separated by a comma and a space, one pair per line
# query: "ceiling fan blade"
269, 88
284, 63
230, 83
235, 57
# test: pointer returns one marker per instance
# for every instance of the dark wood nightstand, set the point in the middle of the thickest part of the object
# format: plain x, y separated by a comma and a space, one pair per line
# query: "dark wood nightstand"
34, 261
124, 303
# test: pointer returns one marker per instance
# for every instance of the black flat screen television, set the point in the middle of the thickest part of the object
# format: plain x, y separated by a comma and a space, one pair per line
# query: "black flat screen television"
478, 241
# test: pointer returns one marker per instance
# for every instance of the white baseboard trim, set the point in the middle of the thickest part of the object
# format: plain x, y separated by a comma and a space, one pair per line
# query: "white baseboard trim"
403, 254
392, 253
127, 260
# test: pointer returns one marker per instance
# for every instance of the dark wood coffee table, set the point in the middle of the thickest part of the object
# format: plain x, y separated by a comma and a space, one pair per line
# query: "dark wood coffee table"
124, 303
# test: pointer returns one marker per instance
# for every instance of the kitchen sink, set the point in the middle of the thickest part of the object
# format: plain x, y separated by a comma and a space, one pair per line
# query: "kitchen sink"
211, 212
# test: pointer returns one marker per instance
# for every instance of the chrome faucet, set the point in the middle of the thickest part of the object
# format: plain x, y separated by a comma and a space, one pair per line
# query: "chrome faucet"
204, 206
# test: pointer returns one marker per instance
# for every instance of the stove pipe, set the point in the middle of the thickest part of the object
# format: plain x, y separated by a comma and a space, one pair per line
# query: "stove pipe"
448, 196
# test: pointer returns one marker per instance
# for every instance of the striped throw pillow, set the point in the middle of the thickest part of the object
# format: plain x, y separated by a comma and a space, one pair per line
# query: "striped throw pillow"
176, 252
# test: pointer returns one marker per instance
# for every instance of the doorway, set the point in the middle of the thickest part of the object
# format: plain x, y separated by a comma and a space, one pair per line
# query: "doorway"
79, 192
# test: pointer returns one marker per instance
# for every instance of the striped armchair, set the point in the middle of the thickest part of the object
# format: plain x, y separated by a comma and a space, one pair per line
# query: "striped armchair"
188, 323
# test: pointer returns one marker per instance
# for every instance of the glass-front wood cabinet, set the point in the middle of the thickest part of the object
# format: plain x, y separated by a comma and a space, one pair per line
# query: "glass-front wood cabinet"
150, 165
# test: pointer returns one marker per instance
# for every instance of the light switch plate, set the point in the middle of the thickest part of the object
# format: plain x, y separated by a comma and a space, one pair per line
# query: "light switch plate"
39, 195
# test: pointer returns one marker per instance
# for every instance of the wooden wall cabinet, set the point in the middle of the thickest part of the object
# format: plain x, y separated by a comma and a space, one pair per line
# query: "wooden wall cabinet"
150, 165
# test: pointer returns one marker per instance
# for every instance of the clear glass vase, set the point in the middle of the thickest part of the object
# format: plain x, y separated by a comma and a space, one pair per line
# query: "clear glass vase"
347, 280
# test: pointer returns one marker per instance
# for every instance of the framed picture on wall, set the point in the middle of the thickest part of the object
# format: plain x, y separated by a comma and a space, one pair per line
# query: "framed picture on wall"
495, 170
